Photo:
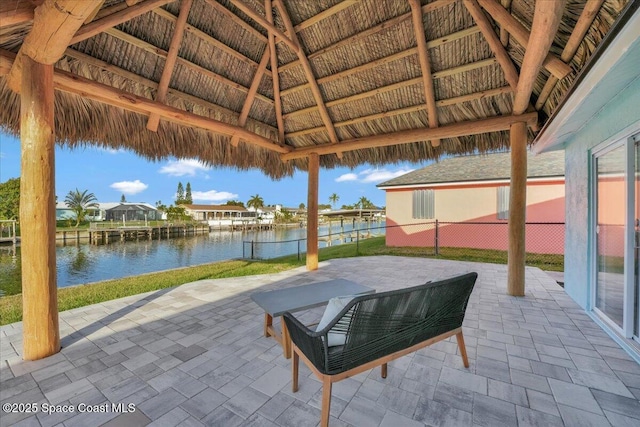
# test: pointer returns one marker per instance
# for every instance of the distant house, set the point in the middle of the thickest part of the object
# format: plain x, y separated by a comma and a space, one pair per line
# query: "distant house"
129, 211
473, 189
219, 215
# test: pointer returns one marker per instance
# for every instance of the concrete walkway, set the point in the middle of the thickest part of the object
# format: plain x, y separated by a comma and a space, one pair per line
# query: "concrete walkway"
195, 355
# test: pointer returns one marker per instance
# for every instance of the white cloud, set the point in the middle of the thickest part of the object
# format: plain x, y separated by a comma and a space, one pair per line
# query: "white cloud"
378, 175
213, 196
347, 177
183, 167
129, 187
111, 150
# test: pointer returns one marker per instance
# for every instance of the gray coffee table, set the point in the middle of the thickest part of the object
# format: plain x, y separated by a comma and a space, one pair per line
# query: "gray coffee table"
276, 303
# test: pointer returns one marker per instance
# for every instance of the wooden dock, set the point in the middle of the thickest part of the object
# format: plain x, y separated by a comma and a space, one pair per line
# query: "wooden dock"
121, 234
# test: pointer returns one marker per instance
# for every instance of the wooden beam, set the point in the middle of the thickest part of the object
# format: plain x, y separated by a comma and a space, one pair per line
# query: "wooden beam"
245, 25
40, 330
148, 47
253, 90
430, 7
266, 24
394, 86
93, 14
408, 110
311, 78
591, 9
504, 34
17, 12
551, 62
72, 83
387, 59
517, 210
209, 39
312, 212
425, 66
509, 70
472, 127
277, 99
54, 23
169, 64
545, 25
90, 60
324, 14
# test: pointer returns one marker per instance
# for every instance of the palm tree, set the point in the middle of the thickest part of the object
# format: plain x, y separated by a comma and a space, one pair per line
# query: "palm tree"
364, 203
79, 203
255, 202
333, 199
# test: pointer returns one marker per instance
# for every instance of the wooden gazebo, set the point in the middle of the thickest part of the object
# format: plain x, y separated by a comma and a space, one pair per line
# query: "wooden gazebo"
280, 85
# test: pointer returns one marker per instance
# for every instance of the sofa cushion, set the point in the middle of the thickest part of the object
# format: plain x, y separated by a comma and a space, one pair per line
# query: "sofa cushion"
334, 306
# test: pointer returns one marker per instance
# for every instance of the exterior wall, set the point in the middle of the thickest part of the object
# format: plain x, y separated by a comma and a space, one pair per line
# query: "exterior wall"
618, 115
466, 205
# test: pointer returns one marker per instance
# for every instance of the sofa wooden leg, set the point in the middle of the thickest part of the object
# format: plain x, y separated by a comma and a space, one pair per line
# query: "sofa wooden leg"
463, 349
383, 370
326, 401
294, 371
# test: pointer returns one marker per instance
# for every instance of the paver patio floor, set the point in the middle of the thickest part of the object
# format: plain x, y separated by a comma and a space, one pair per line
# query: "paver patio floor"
196, 355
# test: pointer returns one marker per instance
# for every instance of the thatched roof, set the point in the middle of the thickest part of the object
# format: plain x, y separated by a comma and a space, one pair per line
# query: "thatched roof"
364, 56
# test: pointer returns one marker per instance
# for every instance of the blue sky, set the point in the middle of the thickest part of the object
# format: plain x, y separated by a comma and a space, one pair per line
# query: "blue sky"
109, 174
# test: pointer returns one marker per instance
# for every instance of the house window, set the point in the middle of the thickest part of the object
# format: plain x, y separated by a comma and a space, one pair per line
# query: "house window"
423, 204
503, 202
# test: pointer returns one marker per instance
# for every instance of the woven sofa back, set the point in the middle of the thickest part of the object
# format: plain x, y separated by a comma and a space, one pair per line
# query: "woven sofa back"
380, 324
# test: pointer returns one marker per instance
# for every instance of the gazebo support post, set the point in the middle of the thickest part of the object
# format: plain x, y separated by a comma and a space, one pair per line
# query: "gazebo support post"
517, 209
41, 333
312, 212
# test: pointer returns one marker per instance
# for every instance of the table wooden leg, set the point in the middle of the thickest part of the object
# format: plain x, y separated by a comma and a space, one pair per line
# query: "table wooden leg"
268, 321
286, 340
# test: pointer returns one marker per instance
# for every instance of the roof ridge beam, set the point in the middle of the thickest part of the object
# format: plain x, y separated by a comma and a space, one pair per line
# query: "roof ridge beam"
591, 9
381, 61
253, 90
72, 83
546, 20
54, 24
437, 4
425, 66
406, 110
270, 27
509, 70
306, 65
471, 127
170, 62
551, 62
393, 86
277, 97
209, 39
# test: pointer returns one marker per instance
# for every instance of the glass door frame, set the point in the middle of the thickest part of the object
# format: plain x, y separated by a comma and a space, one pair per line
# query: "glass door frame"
630, 295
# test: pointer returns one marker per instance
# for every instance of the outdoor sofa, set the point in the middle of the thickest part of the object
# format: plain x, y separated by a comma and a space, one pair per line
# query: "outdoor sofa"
372, 330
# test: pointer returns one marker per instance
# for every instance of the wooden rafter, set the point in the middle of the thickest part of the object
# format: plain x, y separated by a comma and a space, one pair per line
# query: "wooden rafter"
311, 78
274, 73
251, 96
17, 12
425, 66
437, 4
270, 27
543, 30
99, 25
93, 14
209, 39
504, 34
169, 64
54, 24
229, 14
94, 62
148, 47
587, 16
407, 110
552, 63
394, 86
72, 83
324, 14
466, 128
509, 70
393, 57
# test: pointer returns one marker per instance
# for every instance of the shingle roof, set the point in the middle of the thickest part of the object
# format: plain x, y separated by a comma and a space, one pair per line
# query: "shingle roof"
217, 208
481, 168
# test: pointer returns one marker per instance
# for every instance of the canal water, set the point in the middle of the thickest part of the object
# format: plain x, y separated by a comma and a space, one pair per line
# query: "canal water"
84, 263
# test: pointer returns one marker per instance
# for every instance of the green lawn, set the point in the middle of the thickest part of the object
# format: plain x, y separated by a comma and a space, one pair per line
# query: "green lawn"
79, 296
